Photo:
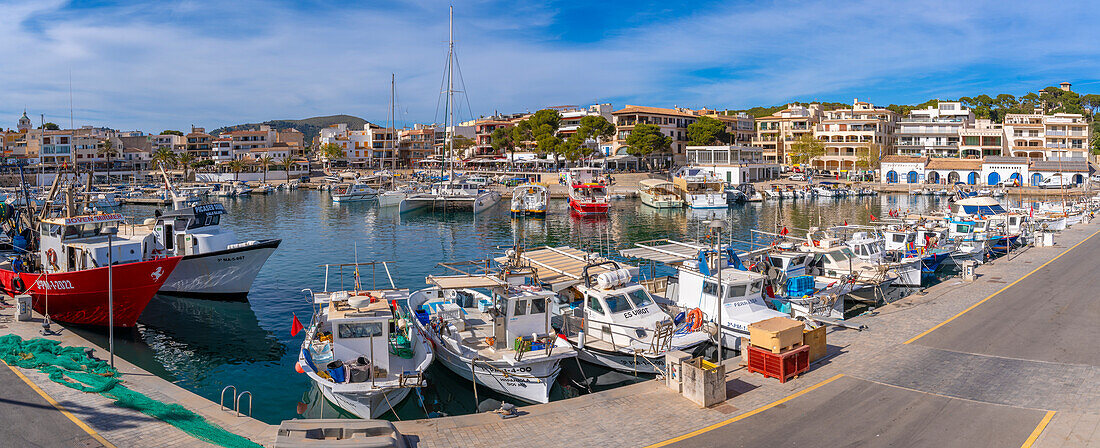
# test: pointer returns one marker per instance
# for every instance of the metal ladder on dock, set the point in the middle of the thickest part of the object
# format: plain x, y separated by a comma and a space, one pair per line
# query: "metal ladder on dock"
235, 400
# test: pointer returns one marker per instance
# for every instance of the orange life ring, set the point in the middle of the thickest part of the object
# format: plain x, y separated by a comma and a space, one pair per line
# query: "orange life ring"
695, 318
51, 258
490, 341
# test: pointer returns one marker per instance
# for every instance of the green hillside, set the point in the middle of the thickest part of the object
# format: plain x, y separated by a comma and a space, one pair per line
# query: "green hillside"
311, 127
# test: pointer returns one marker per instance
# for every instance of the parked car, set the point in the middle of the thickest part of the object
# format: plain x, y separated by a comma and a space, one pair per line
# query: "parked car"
798, 178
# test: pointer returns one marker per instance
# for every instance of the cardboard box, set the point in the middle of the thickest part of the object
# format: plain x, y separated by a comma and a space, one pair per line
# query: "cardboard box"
776, 334
816, 340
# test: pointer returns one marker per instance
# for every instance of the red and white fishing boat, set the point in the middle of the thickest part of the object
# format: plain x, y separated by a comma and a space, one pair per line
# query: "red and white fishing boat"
67, 274
586, 196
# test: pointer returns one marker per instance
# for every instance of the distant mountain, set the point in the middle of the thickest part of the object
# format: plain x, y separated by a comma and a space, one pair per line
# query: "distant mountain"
311, 127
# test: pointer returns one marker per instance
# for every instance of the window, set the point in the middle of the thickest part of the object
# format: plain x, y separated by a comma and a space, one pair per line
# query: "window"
594, 304
617, 304
640, 298
710, 288
520, 309
756, 287
899, 238
538, 306
363, 330
837, 256
736, 290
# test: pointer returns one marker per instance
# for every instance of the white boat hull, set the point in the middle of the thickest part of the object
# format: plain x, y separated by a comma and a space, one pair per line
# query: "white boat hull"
223, 275
391, 198
366, 405
527, 381
359, 197
707, 201
623, 362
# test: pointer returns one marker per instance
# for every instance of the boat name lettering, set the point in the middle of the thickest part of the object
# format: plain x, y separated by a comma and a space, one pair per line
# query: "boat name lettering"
232, 259
637, 312
208, 208
93, 218
53, 284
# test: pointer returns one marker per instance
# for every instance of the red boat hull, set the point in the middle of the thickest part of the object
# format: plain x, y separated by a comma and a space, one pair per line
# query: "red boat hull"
589, 208
80, 297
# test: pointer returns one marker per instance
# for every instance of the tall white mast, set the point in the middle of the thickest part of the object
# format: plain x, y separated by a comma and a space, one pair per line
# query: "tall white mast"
450, 94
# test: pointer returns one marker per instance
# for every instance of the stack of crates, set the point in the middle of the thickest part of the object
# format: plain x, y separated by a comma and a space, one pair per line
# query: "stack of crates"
776, 348
800, 286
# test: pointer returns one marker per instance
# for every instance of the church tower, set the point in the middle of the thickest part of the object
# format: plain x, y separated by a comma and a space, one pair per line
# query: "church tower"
24, 122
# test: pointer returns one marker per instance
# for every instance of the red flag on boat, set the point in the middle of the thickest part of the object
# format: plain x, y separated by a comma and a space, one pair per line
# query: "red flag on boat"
845, 222
295, 326
784, 232
872, 217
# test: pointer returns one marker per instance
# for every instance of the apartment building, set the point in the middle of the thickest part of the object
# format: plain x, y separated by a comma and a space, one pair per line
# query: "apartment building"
571, 117
368, 146
776, 132
932, 132
198, 143
170, 142
739, 126
671, 122
294, 139
483, 133
849, 135
1047, 137
418, 143
981, 139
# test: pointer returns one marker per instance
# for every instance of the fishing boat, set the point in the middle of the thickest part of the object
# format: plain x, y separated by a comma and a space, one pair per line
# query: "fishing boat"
530, 199
105, 200
697, 285
362, 348
494, 329
263, 189
699, 188
353, 192
659, 193
586, 196
608, 317
67, 275
215, 264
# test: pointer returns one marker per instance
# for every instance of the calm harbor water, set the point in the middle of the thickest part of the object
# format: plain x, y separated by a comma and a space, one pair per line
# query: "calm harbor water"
205, 345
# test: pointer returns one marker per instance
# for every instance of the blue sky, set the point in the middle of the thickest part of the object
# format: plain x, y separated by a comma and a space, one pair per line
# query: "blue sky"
157, 65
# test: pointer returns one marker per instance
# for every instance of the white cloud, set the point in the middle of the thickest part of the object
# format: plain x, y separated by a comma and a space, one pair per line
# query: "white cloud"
207, 63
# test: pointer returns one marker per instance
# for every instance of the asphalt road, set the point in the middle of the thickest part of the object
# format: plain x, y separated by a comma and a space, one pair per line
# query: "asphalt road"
28, 420
850, 412
1051, 316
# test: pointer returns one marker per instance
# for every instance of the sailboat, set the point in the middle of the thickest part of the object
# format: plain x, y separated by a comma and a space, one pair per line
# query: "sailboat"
451, 193
392, 196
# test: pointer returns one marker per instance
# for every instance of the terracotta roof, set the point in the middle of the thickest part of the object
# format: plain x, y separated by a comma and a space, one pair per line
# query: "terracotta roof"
655, 110
904, 159
939, 163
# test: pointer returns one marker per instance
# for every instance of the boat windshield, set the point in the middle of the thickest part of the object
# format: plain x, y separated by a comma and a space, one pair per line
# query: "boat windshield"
617, 304
640, 298
205, 220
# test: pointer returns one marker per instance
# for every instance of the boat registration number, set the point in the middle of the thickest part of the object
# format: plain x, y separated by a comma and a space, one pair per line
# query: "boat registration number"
53, 284
637, 312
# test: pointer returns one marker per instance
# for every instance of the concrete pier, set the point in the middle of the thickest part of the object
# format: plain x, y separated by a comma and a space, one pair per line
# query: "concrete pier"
39, 412
1006, 360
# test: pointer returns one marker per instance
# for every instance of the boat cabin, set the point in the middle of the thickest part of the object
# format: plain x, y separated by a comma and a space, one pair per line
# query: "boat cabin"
79, 242
192, 230
362, 324
510, 310
619, 311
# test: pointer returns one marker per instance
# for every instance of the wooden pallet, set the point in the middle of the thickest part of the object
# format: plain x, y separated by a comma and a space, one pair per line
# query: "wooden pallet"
779, 350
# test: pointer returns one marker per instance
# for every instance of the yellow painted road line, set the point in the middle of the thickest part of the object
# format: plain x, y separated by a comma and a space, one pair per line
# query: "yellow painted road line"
1038, 430
56, 405
745, 415
1000, 290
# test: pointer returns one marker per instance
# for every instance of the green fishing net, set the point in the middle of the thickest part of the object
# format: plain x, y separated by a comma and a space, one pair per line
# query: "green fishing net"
70, 367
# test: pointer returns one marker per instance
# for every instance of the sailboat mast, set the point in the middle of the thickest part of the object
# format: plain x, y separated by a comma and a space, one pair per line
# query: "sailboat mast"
393, 136
450, 93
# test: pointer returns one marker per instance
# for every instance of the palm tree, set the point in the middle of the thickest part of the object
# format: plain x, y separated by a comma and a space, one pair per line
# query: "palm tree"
266, 161
164, 158
185, 160
108, 150
287, 164
236, 166
331, 151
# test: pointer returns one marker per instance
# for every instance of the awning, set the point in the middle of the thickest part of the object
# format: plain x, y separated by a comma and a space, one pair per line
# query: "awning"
464, 281
664, 251
563, 267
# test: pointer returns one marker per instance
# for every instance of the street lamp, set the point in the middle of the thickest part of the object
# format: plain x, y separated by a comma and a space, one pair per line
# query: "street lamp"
110, 232
718, 225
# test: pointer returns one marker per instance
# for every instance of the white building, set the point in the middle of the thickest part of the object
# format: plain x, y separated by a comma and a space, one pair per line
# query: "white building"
996, 170
735, 164
897, 169
1044, 137
933, 131
950, 171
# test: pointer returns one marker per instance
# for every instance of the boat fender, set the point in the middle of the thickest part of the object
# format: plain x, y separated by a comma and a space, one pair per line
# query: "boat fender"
679, 319
298, 367
695, 318
17, 284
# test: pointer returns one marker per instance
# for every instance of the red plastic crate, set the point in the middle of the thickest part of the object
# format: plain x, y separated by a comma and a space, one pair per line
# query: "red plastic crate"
783, 366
